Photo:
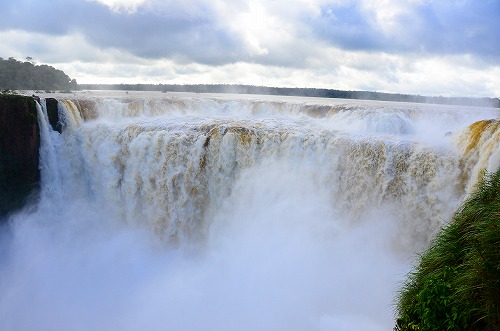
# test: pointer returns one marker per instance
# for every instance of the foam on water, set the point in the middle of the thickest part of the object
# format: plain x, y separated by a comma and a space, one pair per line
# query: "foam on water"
203, 213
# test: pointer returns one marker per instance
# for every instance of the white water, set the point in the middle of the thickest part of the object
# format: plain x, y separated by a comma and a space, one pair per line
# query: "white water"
230, 213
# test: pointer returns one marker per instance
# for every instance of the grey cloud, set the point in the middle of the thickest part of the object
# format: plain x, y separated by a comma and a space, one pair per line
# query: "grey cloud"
434, 27
146, 33
52, 18
347, 26
452, 27
152, 36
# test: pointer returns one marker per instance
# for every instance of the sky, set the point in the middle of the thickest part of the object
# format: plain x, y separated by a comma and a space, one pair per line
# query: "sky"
426, 47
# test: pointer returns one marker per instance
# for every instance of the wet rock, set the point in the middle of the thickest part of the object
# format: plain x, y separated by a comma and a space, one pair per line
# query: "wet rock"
53, 113
19, 151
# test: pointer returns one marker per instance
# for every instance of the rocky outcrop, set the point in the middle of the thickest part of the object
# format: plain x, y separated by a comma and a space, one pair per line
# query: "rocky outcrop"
53, 114
19, 151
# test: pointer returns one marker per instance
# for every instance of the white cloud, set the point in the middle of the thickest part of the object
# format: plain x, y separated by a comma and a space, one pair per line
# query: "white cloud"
117, 5
386, 14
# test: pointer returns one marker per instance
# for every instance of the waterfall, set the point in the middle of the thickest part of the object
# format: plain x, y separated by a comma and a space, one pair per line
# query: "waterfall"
189, 212
51, 182
480, 148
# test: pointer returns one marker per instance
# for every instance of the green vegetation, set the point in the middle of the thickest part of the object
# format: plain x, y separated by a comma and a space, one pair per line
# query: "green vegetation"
17, 75
456, 286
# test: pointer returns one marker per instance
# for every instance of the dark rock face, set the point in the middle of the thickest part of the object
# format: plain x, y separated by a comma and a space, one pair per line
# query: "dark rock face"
19, 151
53, 113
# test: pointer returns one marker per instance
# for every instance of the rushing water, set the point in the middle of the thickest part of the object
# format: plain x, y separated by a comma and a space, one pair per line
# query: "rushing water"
192, 212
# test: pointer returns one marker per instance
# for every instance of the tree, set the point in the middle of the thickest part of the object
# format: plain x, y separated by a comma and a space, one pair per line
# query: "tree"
17, 75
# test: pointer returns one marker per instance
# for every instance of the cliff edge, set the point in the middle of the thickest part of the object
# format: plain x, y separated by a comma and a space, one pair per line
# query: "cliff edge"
19, 151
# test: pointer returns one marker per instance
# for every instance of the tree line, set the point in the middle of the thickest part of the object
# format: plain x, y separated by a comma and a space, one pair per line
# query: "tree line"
27, 75
292, 91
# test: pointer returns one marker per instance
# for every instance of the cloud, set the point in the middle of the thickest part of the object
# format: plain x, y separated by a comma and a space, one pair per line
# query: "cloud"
427, 27
218, 32
119, 5
166, 30
385, 45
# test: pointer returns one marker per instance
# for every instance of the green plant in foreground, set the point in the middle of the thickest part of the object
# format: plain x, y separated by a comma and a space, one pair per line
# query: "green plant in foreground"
456, 285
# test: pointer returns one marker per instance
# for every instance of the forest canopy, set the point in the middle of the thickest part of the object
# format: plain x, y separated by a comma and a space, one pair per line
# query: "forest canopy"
18, 75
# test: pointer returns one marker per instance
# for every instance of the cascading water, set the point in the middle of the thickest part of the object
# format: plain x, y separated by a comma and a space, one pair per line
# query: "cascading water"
221, 213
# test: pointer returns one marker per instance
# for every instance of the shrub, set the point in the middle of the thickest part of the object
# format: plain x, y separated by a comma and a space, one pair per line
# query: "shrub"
456, 285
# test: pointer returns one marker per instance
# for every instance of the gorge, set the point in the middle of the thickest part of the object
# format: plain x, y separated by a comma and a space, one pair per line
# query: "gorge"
198, 211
